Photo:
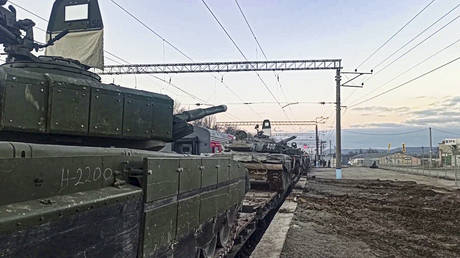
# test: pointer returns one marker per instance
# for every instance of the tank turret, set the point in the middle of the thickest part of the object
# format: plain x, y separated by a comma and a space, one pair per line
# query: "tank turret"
56, 100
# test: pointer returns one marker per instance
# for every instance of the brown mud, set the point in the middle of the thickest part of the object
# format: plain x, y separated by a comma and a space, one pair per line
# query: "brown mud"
374, 218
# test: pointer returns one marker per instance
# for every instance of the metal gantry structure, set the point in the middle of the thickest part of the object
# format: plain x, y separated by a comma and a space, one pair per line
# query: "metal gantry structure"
279, 123
247, 66
219, 67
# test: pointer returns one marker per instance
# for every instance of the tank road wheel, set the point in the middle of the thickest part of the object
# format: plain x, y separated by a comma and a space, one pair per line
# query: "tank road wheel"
209, 250
224, 234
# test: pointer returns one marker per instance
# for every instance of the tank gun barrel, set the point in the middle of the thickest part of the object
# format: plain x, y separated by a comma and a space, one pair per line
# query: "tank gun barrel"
180, 126
199, 113
285, 141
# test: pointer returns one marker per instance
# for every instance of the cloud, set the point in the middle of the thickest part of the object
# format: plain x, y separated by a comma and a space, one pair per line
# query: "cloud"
381, 109
450, 113
453, 101
439, 120
377, 125
427, 112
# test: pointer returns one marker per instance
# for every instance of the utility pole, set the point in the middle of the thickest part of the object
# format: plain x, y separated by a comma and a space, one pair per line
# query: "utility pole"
338, 122
431, 151
338, 132
317, 146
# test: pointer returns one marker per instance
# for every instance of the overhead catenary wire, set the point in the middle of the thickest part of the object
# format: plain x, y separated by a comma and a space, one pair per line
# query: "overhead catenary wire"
28, 11
385, 43
132, 15
394, 35
413, 67
151, 30
407, 82
416, 36
260, 46
241, 52
272, 102
415, 46
408, 51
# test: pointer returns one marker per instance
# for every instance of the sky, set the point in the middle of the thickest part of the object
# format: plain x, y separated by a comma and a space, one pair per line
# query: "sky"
299, 29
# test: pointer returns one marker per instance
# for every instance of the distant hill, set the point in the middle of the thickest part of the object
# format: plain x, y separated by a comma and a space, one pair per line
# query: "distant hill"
415, 151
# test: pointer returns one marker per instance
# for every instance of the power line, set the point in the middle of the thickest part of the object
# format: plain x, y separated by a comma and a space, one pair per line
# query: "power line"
386, 42
240, 51
409, 50
111, 59
417, 45
272, 102
405, 83
413, 67
252, 31
225, 30
30, 12
394, 35
259, 45
151, 30
172, 45
416, 36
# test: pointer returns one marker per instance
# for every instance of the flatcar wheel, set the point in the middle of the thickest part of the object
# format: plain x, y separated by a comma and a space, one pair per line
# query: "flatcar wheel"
224, 234
210, 249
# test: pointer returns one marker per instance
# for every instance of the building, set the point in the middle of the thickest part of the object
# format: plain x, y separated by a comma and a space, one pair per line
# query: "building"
366, 159
400, 159
448, 149
385, 159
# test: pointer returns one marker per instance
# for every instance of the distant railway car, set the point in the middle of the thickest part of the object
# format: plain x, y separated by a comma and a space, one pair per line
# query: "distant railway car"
202, 140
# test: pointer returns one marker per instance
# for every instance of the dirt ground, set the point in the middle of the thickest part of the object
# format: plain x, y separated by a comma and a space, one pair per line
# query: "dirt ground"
375, 218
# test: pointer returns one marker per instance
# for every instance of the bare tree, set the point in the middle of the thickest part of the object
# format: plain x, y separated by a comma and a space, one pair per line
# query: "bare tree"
178, 108
206, 122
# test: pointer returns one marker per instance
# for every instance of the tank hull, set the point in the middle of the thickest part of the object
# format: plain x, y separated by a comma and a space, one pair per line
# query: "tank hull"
126, 203
267, 171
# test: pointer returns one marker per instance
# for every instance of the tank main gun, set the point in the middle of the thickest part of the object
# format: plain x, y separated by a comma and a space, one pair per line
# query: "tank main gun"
181, 127
195, 114
18, 46
285, 141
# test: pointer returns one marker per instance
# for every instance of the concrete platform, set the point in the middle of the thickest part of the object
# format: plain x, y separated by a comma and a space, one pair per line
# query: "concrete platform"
273, 240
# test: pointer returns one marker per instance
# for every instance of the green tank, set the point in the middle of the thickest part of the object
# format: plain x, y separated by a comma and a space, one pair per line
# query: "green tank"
80, 170
269, 168
272, 165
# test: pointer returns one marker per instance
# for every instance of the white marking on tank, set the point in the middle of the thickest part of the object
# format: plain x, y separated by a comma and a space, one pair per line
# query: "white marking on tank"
30, 98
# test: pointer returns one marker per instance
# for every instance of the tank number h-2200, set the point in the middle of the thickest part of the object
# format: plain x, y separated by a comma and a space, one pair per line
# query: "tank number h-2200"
82, 176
